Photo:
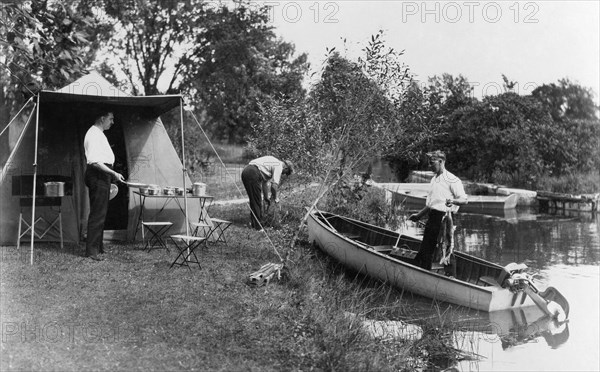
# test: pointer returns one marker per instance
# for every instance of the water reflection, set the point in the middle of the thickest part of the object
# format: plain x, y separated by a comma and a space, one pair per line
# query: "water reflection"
539, 240
564, 249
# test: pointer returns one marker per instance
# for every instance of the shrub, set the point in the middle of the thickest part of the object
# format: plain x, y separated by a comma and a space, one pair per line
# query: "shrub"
358, 200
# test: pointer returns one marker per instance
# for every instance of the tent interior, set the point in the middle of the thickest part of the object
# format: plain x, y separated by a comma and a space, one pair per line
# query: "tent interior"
143, 153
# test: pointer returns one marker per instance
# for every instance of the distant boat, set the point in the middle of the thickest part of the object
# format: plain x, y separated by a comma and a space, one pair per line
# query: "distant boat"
385, 255
414, 196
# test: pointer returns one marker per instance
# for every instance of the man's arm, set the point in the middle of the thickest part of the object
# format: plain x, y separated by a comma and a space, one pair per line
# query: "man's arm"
274, 191
102, 167
460, 197
461, 200
417, 216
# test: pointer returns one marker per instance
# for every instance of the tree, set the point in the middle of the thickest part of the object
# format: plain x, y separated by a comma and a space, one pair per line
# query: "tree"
349, 116
575, 117
241, 64
45, 44
420, 117
424, 115
155, 42
567, 100
499, 139
225, 56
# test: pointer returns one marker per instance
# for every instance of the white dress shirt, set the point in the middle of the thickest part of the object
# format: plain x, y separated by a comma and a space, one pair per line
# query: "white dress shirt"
97, 148
443, 187
270, 167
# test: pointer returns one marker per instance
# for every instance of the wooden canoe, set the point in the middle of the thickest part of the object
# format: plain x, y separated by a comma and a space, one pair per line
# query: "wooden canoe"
415, 198
476, 284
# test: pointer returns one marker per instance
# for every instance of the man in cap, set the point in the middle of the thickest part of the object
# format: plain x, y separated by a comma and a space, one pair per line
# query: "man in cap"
446, 193
256, 177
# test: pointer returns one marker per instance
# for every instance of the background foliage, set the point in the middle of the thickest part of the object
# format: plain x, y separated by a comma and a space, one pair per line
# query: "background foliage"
245, 86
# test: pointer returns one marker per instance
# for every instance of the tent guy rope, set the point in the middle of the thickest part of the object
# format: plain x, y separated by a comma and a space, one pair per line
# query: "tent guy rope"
233, 179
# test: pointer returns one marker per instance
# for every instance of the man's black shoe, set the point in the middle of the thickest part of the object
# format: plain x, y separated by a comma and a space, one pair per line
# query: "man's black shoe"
96, 258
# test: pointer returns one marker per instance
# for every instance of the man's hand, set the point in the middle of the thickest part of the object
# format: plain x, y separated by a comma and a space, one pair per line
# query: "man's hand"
119, 177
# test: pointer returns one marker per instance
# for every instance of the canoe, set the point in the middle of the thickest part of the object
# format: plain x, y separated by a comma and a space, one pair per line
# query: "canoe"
475, 283
415, 197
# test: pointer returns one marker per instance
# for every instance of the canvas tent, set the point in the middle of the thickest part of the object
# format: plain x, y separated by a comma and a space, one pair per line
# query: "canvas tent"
144, 153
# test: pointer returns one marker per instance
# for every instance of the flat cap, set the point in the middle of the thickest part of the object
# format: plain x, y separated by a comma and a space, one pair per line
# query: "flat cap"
437, 154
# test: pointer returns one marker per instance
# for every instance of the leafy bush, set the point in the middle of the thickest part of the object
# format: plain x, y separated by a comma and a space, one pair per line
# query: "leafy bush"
579, 183
356, 199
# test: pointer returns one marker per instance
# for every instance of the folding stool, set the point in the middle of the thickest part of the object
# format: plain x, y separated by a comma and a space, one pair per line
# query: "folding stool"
186, 247
157, 230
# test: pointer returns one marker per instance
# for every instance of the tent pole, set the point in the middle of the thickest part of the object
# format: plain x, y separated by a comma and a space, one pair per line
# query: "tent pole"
184, 170
16, 116
35, 151
6, 167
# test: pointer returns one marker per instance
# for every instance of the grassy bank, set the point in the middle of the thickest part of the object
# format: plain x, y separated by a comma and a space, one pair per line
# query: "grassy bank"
132, 312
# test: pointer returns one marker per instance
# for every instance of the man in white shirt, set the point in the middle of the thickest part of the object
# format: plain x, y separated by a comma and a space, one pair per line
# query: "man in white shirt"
446, 193
100, 159
256, 177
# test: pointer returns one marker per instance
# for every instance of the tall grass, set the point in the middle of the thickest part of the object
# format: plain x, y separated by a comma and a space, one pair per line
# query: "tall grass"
577, 183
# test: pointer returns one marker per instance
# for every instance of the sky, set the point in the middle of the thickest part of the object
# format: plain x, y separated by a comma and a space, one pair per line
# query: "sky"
531, 42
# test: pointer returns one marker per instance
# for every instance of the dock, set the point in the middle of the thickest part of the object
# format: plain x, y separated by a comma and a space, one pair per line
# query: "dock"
568, 202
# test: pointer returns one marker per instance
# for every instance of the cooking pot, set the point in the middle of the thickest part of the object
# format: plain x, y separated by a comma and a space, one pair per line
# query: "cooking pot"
54, 188
198, 189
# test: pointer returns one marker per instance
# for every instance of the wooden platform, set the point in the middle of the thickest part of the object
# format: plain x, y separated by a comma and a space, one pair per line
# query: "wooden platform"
569, 202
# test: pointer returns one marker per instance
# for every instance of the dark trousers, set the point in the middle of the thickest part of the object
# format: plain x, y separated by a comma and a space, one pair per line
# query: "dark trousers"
430, 239
252, 179
98, 183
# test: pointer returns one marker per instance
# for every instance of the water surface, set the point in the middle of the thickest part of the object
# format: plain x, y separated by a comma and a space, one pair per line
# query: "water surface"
565, 251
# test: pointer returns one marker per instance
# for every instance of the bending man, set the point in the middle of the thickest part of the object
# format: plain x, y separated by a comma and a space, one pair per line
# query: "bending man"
256, 177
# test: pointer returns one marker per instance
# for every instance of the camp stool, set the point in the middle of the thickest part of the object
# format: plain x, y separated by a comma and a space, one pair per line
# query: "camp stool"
157, 230
186, 245
40, 202
201, 229
218, 230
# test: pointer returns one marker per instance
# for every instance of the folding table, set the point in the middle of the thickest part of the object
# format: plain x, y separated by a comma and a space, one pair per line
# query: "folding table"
203, 200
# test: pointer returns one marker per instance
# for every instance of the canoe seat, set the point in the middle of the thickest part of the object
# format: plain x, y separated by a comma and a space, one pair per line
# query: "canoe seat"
351, 236
382, 248
403, 253
437, 267
490, 280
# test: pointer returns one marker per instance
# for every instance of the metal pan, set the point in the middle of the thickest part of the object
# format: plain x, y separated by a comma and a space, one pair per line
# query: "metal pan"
136, 184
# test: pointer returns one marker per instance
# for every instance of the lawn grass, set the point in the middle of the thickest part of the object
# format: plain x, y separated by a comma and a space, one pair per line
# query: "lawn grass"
132, 312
